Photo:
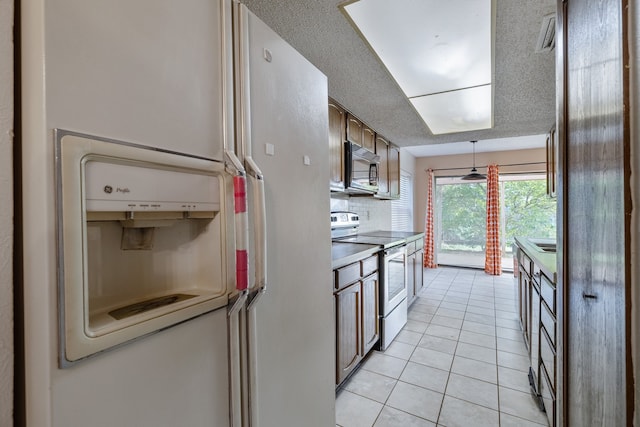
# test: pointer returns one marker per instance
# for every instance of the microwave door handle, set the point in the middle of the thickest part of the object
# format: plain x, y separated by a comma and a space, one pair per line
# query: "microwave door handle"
260, 226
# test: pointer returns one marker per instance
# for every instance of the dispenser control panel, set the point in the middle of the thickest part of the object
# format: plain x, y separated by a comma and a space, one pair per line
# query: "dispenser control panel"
123, 187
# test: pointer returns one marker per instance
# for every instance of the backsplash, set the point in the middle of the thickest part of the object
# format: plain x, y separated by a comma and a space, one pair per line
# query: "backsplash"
374, 214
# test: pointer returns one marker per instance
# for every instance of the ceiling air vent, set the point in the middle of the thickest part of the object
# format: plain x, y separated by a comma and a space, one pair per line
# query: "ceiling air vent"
547, 37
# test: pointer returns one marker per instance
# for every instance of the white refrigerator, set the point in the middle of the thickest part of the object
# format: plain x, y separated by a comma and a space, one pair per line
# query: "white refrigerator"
198, 90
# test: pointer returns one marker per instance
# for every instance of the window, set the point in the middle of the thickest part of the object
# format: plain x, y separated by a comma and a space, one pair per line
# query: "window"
402, 208
460, 217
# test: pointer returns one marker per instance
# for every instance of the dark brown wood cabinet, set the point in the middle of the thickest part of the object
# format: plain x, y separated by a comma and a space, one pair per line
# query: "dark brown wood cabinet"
388, 169
382, 150
368, 138
344, 126
356, 296
394, 172
354, 129
348, 330
596, 110
370, 311
337, 129
360, 134
537, 312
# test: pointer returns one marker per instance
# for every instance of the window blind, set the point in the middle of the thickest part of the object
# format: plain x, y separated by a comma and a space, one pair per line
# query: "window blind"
402, 208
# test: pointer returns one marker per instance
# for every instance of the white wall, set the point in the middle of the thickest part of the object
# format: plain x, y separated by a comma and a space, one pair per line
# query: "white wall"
6, 213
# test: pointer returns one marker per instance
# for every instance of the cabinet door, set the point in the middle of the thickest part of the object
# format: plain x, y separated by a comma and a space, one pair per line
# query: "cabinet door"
411, 282
370, 307
534, 333
354, 130
523, 294
394, 172
368, 139
418, 271
348, 330
382, 150
337, 129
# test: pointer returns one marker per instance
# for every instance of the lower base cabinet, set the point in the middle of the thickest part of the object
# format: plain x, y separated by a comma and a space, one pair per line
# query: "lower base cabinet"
348, 330
537, 310
356, 302
370, 312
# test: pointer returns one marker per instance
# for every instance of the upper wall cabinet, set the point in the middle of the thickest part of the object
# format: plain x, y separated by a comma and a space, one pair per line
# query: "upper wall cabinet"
382, 150
394, 172
337, 127
368, 138
359, 133
388, 169
354, 130
344, 126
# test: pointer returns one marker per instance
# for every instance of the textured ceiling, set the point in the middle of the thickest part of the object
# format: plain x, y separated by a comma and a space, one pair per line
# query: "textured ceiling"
524, 82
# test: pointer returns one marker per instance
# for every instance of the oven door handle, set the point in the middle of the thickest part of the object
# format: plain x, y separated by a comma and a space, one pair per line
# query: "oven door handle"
392, 252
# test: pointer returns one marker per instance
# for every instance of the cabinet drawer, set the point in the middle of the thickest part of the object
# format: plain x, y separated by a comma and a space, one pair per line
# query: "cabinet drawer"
549, 322
411, 247
548, 292
524, 261
548, 356
347, 274
369, 265
548, 398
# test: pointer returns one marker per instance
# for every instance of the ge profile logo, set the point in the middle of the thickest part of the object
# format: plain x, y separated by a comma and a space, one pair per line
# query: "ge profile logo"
108, 189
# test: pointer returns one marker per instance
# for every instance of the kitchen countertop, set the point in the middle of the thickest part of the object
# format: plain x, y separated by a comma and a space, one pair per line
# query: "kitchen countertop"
346, 253
545, 260
343, 253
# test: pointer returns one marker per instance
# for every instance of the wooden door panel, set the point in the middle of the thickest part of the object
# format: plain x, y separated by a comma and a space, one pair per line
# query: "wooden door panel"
370, 307
337, 129
348, 330
595, 207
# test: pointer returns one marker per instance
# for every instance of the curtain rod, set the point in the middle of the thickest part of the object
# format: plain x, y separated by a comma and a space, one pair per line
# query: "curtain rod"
510, 164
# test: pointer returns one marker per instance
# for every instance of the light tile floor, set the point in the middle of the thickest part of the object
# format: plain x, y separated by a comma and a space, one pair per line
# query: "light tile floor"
459, 361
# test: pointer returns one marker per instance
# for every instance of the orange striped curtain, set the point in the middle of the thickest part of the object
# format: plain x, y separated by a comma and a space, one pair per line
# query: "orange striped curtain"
493, 255
429, 243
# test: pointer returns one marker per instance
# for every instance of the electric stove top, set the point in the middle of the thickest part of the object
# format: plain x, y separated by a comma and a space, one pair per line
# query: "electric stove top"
384, 242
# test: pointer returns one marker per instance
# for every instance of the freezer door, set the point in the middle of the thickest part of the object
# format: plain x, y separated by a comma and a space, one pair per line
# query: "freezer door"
153, 72
283, 117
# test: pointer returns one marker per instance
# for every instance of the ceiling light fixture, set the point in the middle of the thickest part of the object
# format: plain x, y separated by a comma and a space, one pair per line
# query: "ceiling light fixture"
439, 53
474, 175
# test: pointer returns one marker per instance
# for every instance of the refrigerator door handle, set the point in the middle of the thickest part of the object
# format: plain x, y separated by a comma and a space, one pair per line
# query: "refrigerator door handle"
241, 221
260, 226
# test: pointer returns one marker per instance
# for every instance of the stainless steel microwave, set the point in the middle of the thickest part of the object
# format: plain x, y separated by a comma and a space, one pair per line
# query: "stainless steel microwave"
361, 169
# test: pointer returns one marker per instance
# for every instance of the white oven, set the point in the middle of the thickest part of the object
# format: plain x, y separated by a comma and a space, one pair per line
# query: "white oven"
393, 295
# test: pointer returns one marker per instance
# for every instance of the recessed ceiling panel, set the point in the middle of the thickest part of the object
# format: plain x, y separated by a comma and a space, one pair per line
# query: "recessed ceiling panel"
429, 46
457, 111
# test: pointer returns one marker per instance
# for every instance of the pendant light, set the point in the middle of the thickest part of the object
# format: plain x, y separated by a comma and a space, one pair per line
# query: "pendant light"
474, 175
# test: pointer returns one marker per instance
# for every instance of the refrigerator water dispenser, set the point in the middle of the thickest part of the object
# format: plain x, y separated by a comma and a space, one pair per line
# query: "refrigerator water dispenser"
141, 241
